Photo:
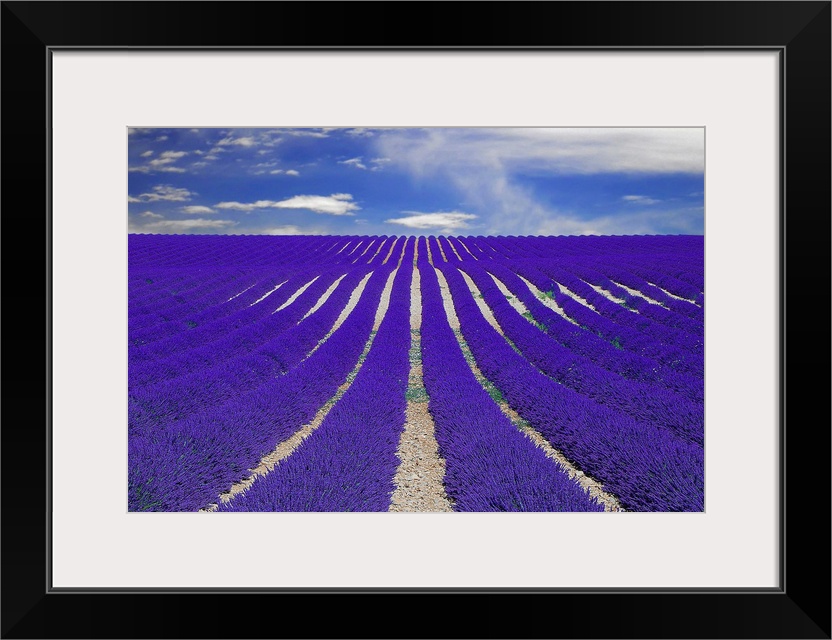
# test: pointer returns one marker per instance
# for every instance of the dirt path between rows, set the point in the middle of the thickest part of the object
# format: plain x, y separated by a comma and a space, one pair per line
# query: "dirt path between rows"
419, 477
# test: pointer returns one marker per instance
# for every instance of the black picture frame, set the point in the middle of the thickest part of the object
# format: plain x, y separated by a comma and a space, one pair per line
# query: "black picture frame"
798, 608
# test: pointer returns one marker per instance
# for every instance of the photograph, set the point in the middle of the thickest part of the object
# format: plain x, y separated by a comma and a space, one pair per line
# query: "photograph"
416, 319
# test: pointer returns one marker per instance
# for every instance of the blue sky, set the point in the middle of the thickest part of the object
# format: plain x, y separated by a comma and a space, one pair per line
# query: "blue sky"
416, 181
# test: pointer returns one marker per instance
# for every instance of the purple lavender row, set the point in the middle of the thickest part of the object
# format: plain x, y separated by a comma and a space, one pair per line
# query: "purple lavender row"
201, 327
506, 248
478, 252
622, 316
233, 251
679, 283
354, 250
199, 282
218, 382
343, 255
557, 272
189, 275
335, 254
475, 249
660, 255
171, 314
679, 321
647, 468
212, 251
632, 281
681, 254
490, 466
464, 253
667, 255
225, 340
208, 289
447, 249
685, 264
377, 254
685, 261
184, 466
674, 357
624, 337
609, 355
165, 323
145, 284
193, 326
349, 461
663, 247
644, 402
365, 252
163, 282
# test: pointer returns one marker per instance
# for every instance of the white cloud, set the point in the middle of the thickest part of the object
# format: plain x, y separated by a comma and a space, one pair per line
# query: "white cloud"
150, 214
199, 164
338, 204
640, 200
161, 163
555, 150
354, 162
197, 209
359, 132
292, 172
281, 230
167, 157
239, 206
378, 163
444, 222
303, 132
194, 130
284, 230
161, 138
147, 154
132, 199
245, 141
211, 156
276, 172
265, 164
166, 192
181, 226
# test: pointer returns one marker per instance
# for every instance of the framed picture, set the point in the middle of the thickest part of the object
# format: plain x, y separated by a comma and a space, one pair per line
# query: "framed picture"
91, 90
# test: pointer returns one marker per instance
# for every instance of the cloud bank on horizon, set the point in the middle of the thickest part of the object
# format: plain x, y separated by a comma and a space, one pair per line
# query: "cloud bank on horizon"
417, 181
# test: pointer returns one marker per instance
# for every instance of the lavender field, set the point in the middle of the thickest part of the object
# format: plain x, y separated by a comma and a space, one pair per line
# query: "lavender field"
393, 373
